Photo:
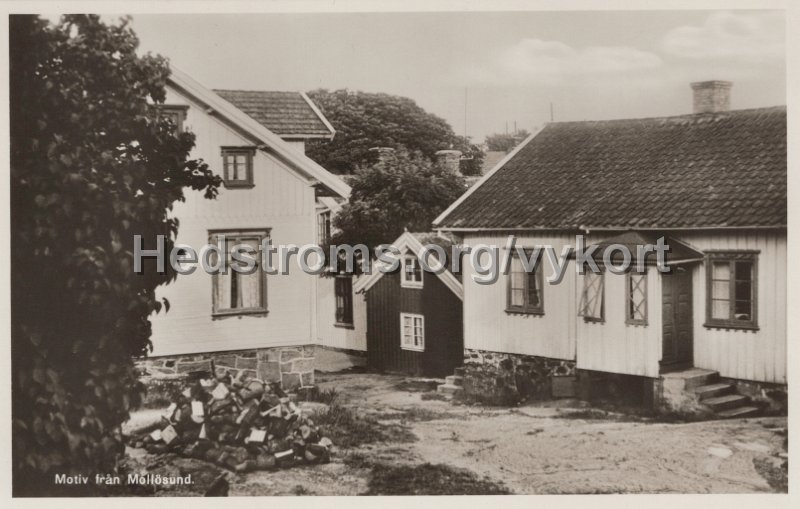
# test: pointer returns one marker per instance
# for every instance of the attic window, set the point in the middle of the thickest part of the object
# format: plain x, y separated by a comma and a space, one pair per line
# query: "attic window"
732, 283
174, 114
237, 165
412, 272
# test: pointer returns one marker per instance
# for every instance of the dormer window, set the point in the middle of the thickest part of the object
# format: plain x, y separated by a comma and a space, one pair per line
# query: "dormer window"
411, 276
237, 165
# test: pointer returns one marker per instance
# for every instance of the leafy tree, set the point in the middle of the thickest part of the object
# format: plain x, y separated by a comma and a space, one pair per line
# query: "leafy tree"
92, 164
401, 191
506, 142
364, 120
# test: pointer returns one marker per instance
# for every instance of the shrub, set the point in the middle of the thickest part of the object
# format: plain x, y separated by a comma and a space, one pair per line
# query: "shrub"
92, 164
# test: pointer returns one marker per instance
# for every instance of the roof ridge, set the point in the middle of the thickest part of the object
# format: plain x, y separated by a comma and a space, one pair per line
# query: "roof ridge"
257, 91
685, 116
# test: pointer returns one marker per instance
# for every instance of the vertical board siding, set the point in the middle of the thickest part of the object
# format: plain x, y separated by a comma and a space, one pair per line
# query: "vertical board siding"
282, 202
613, 345
616, 347
444, 348
328, 334
487, 326
751, 355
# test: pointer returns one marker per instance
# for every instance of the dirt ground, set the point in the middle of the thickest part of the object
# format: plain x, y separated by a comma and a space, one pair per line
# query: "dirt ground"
434, 446
536, 448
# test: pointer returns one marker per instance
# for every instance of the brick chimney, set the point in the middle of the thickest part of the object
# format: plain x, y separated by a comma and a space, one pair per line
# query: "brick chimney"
450, 160
712, 96
385, 154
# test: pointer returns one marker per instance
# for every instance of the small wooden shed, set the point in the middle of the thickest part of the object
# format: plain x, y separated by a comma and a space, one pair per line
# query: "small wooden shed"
414, 317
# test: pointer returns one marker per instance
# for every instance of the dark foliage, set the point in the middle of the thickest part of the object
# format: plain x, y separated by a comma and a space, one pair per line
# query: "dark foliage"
91, 165
403, 191
363, 120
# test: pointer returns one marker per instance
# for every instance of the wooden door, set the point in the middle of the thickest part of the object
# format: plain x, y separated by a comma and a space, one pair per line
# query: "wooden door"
678, 327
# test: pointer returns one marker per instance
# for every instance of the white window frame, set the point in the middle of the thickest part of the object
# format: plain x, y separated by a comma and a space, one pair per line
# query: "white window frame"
410, 345
405, 282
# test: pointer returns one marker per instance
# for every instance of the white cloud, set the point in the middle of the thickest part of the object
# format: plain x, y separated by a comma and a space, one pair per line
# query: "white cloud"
551, 62
727, 35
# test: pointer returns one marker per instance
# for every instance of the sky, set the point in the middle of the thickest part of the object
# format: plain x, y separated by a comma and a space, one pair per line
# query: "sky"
487, 72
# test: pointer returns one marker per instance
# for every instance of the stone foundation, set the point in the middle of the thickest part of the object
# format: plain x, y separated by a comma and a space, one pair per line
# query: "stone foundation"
507, 379
292, 366
603, 387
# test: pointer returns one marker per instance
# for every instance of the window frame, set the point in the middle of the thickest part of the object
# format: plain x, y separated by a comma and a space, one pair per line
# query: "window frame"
413, 317
249, 153
180, 110
732, 257
324, 228
232, 237
526, 308
630, 320
348, 302
585, 300
404, 281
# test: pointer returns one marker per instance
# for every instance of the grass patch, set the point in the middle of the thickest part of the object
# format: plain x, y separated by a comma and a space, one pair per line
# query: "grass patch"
417, 385
348, 429
317, 395
777, 476
433, 396
412, 414
423, 479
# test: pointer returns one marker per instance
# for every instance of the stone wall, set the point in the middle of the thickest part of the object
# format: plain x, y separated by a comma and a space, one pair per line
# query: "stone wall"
292, 366
507, 379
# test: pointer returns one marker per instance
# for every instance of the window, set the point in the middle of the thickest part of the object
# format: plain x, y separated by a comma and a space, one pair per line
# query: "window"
412, 272
525, 288
636, 298
593, 305
731, 295
237, 165
324, 228
412, 332
237, 293
175, 115
344, 300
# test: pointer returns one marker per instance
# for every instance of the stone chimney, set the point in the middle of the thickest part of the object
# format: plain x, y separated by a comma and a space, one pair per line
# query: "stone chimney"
450, 160
712, 96
385, 154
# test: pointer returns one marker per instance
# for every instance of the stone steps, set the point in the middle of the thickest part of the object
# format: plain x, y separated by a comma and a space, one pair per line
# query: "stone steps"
742, 411
455, 380
726, 402
449, 389
705, 392
718, 396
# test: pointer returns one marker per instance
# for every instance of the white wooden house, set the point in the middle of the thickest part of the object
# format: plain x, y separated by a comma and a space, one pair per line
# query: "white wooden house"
713, 183
269, 324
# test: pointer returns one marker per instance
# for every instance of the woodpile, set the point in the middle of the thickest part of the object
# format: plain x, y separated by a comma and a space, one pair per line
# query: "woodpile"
242, 425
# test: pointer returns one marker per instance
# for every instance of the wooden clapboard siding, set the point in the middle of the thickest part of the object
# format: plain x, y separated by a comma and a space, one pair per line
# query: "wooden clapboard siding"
284, 203
751, 355
615, 346
386, 299
328, 334
487, 326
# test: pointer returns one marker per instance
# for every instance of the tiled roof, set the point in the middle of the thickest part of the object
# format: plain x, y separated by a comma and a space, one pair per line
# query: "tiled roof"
711, 170
286, 114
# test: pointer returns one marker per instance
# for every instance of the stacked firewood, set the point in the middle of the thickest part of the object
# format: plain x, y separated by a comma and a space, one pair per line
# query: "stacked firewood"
239, 424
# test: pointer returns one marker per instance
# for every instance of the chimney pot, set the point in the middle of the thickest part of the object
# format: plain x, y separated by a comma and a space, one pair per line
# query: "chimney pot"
712, 96
450, 160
